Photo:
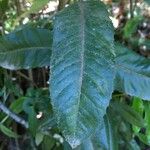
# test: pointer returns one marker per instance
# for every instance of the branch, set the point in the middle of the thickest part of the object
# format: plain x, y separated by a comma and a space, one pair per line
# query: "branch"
13, 115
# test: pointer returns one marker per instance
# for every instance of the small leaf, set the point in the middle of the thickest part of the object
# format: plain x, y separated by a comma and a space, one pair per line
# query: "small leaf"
7, 131
144, 138
33, 122
133, 145
24, 49
28, 107
48, 143
138, 106
39, 138
131, 26
17, 106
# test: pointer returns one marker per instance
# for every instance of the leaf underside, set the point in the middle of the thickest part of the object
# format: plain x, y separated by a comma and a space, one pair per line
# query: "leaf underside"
24, 49
81, 69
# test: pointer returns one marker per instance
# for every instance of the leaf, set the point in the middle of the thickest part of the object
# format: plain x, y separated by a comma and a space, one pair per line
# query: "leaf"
107, 137
3, 7
128, 114
48, 143
39, 138
131, 26
133, 145
35, 8
24, 49
81, 69
28, 107
33, 122
132, 73
138, 107
147, 118
7, 131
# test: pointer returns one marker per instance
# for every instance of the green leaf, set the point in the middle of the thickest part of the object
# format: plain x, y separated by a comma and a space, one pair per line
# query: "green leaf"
48, 143
138, 106
128, 114
24, 49
144, 138
132, 73
147, 118
39, 138
133, 145
81, 69
35, 8
3, 7
7, 131
28, 107
131, 26
17, 106
107, 137
33, 122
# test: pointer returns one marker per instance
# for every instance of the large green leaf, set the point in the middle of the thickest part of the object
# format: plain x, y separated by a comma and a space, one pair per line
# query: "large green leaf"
132, 73
81, 68
27, 48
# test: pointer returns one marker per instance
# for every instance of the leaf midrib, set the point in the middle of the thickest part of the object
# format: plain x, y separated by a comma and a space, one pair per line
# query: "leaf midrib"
23, 49
82, 36
131, 71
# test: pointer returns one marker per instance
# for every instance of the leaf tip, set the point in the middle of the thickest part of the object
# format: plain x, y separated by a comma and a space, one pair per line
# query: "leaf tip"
73, 141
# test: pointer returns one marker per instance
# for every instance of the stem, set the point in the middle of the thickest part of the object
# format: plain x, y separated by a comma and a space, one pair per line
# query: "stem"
44, 76
31, 77
13, 116
25, 77
131, 9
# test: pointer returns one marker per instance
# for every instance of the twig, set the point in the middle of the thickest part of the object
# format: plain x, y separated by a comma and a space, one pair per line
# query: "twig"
25, 77
30, 74
131, 9
13, 115
44, 76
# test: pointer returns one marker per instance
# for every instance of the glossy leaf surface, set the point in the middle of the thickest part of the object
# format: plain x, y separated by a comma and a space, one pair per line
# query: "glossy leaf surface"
81, 69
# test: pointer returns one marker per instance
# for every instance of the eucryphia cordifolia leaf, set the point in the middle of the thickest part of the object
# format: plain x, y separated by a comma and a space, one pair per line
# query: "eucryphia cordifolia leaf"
26, 48
81, 78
